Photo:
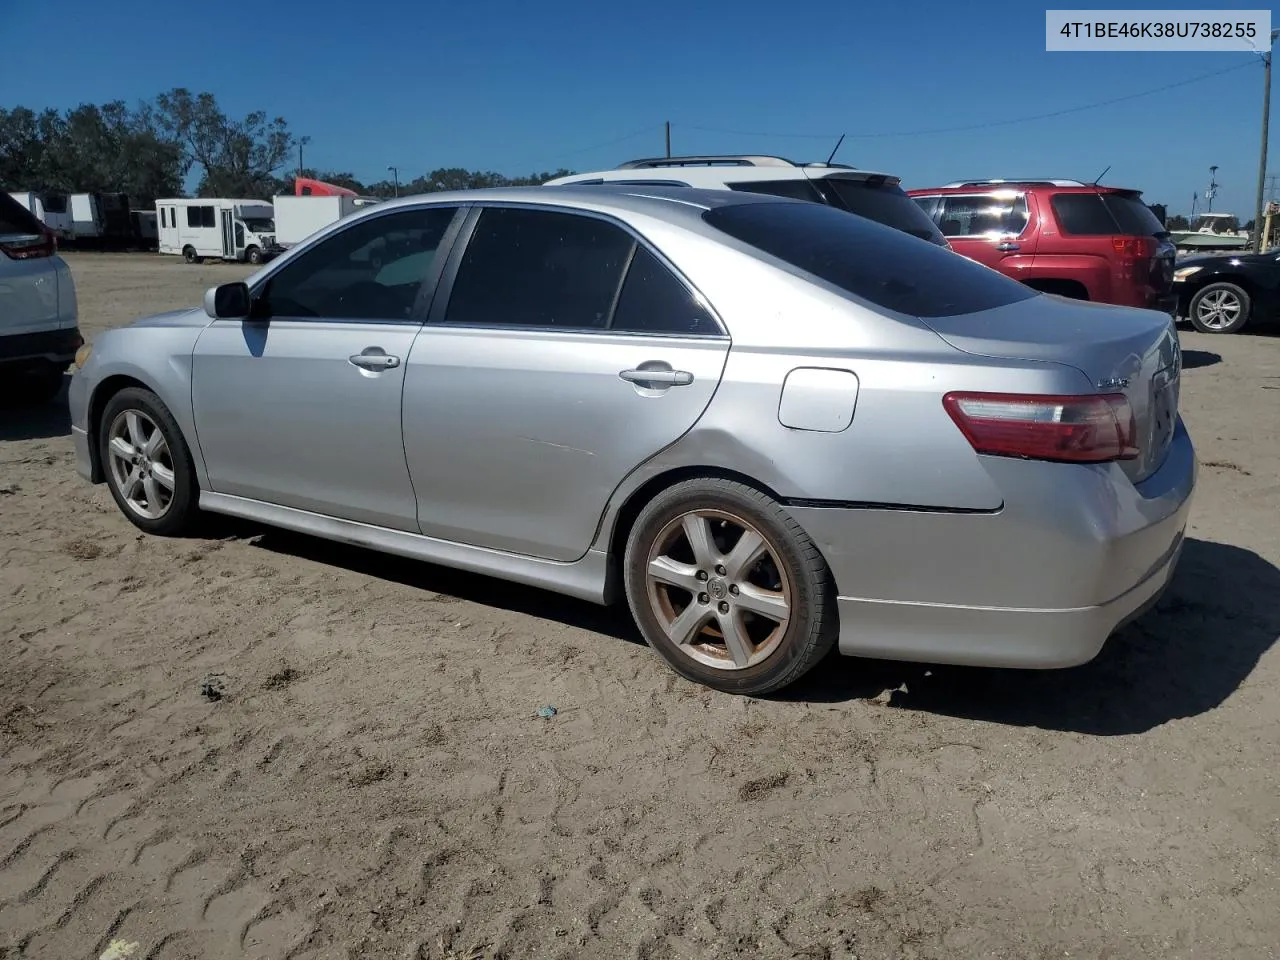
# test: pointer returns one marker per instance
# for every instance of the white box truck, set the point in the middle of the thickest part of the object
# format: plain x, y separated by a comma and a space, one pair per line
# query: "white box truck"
227, 229
50, 209
297, 217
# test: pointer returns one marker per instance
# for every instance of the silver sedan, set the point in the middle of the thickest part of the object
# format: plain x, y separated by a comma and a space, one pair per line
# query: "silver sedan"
772, 426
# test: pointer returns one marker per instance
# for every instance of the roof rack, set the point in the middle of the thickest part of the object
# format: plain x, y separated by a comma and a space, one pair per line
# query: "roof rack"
708, 160
1021, 181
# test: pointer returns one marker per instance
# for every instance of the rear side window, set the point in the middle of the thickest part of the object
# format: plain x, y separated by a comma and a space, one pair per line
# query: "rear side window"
17, 220
201, 216
872, 262
54, 203
792, 189
653, 300
883, 202
1092, 214
537, 268
982, 216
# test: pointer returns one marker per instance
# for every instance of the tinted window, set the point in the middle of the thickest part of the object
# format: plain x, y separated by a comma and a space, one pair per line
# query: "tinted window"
794, 189
1092, 214
535, 268
654, 300
883, 202
201, 216
986, 215
54, 203
372, 270
870, 261
17, 220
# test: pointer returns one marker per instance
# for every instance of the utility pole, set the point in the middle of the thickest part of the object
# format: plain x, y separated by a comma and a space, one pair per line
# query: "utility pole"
1262, 159
395, 176
301, 141
668, 139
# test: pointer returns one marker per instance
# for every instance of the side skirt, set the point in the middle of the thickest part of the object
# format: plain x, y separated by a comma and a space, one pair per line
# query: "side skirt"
584, 578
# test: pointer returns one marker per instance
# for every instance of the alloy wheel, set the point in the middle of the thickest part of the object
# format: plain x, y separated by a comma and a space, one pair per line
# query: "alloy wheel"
141, 464
718, 589
1218, 309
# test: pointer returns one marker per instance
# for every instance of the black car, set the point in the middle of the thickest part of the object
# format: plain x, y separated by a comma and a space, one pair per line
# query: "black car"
1221, 294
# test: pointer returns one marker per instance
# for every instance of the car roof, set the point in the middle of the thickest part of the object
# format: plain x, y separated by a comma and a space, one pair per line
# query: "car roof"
1020, 185
715, 174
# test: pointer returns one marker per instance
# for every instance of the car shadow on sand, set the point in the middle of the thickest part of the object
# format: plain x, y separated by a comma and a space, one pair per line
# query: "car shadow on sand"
1185, 657
42, 421
1195, 359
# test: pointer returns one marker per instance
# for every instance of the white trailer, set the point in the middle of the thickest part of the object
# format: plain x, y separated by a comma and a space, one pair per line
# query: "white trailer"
207, 227
86, 218
297, 217
50, 209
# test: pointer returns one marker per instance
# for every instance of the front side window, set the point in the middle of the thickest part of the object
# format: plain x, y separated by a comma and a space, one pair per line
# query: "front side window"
538, 268
983, 215
372, 270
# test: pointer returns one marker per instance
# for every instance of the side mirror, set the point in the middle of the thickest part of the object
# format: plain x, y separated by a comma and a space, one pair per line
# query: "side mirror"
228, 301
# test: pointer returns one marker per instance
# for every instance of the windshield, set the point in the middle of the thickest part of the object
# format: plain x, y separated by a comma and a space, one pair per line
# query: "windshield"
884, 203
871, 261
260, 224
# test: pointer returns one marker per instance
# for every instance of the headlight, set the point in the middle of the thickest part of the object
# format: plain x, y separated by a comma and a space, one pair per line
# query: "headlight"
82, 355
1183, 272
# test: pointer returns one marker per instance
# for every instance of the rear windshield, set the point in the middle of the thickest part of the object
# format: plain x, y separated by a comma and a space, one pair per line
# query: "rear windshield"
1093, 214
884, 203
877, 264
16, 220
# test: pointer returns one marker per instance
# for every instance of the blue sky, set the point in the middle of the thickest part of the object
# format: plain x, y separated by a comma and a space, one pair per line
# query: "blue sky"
517, 87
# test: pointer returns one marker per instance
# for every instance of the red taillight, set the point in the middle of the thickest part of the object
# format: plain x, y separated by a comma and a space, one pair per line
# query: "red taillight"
1074, 429
29, 247
1134, 248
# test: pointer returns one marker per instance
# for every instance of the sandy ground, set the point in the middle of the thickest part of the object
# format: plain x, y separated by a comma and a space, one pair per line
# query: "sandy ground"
377, 782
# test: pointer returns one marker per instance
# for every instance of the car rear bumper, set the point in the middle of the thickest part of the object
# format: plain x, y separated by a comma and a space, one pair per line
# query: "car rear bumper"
1074, 553
56, 347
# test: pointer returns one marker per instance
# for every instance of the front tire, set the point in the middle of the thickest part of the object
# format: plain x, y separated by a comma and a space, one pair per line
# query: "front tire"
253, 255
1220, 308
728, 588
147, 463
189, 255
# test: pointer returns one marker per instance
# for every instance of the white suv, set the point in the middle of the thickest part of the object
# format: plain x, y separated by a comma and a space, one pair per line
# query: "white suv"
876, 196
39, 335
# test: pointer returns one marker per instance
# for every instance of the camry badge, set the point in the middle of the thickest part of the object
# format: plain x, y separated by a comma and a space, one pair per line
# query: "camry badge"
1113, 383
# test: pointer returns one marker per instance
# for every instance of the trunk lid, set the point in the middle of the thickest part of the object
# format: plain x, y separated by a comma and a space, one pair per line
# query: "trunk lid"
1119, 349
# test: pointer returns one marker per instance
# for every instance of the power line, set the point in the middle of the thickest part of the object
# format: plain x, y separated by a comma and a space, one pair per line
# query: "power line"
608, 143
977, 126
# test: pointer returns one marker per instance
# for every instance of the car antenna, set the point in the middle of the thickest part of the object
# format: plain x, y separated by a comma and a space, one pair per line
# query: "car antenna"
1101, 175
833, 152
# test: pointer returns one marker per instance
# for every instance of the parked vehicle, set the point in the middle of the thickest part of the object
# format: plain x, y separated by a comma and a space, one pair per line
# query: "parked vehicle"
145, 228
1074, 239
298, 217
50, 209
877, 196
100, 219
1224, 294
242, 230
771, 426
39, 335
311, 187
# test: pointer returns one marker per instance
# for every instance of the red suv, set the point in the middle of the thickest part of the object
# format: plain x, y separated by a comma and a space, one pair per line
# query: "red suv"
1060, 236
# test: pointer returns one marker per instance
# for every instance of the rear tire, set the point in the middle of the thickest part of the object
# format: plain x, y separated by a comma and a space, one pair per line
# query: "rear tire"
1220, 308
147, 463
749, 608
189, 255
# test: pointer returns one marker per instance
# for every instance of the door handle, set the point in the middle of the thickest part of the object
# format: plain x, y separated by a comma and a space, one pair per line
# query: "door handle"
1008, 245
373, 361
670, 378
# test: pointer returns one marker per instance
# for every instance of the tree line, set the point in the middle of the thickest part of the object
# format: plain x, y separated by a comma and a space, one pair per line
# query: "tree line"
149, 151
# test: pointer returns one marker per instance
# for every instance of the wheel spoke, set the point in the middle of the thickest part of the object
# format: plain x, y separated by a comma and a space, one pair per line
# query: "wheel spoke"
152, 491
122, 448
675, 574
698, 533
164, 476
130, 486
765, 603
735, 638
136, 433
155, 443
749, 548
685, 627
